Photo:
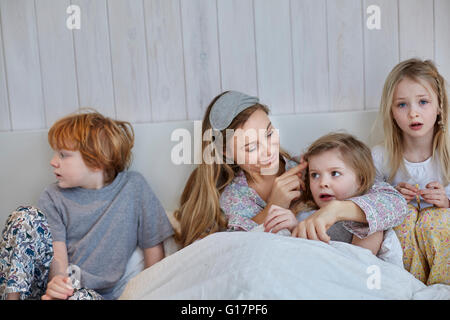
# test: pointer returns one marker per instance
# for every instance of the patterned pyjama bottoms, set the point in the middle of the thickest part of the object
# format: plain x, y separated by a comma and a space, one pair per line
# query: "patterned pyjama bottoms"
26, 252
424, 236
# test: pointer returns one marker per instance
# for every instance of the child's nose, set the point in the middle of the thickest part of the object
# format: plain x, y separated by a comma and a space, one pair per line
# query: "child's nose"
413, 112
324, 183
54, 161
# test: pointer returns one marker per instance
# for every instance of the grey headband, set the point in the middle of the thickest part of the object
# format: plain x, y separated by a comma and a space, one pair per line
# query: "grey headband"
227, 107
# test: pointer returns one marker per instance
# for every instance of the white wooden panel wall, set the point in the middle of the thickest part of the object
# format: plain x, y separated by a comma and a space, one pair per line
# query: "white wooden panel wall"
56, 51
93, 57
237, 45
23, 68
5, 123
442, 38
310, 55
416, 29
164, 60
346, 72
201, 55
380, 45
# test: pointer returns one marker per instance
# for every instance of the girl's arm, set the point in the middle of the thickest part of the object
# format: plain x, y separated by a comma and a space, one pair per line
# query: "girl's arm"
381, 208
153, 255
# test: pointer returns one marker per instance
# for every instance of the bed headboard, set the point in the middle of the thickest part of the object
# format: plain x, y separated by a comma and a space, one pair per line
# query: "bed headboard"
25, 156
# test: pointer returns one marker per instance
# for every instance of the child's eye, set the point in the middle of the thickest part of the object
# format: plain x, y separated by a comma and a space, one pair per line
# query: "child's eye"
423, 102
314, 175
335, 173
401, 105
62, 155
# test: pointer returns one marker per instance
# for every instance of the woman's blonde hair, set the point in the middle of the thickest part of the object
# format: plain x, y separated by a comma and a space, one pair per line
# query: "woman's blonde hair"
199, 214
354, 153
419, 71
103, 142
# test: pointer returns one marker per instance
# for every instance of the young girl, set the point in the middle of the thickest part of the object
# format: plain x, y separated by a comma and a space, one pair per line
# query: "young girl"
415, 158
251, 180
339, 167
90, 220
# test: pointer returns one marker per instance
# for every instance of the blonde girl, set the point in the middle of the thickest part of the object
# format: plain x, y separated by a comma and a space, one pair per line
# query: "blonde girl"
249, 181
339, 167
415, 159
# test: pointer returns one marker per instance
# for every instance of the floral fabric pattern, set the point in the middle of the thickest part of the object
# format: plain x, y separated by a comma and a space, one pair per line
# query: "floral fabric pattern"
26, 253
424, 236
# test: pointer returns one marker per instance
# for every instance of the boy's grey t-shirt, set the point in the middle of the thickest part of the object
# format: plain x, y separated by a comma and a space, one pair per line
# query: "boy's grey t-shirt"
101, 228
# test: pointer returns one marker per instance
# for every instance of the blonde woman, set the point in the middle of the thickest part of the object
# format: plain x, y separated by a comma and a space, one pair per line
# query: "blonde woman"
248, 181
415, 159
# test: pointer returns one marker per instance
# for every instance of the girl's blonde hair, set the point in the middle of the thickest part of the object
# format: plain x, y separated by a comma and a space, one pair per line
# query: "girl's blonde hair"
199, 213
419, 71
103, 142
354, 153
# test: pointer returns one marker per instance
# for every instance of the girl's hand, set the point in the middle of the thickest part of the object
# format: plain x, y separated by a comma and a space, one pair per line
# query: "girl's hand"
58, 288
279, 218
316, 225
287, 186
435, 194
408, 191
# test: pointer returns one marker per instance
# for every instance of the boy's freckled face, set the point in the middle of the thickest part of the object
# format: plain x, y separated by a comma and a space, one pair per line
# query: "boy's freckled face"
71, 171
330, 178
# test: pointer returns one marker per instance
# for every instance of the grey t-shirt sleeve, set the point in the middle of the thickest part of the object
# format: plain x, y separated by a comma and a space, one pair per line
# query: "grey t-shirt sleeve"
153, 224
55, 218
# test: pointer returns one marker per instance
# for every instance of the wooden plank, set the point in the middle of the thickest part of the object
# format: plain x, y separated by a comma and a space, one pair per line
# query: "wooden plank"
129, 60
274, 55
237, 45
416, 29
310, 55
5, 123
23, 71
381, 51
346, 57
165, 59
201, 55
57, 60
93, 57
442, 38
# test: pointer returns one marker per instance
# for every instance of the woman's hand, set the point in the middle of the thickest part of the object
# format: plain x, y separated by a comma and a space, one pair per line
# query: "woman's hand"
435, 194
408, 191
287, 186
58, 288
279, 218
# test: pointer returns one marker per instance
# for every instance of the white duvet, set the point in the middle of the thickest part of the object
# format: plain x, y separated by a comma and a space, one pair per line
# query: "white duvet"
259, 265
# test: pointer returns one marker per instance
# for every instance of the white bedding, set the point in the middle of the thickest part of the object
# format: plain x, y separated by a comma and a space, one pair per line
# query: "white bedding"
259, 265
